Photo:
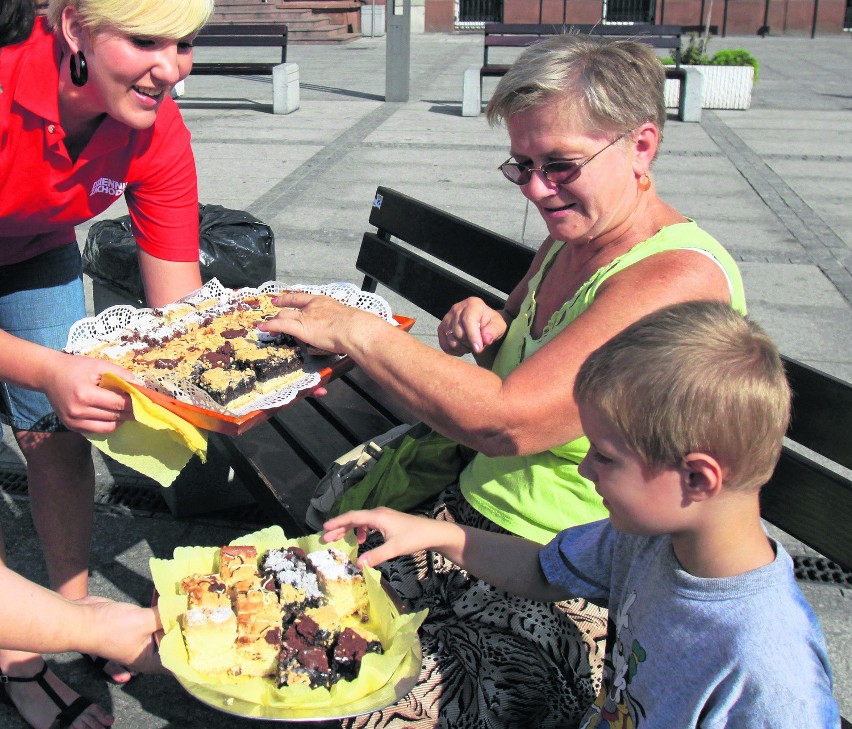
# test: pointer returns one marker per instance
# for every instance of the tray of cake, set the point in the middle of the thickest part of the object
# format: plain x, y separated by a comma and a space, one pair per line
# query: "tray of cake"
287, 630
203, 359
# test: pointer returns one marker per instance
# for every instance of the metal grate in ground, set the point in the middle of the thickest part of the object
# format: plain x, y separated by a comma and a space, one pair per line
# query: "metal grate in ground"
138, 498
820, 569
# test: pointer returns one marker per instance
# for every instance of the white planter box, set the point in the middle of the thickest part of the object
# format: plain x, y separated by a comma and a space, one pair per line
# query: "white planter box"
725, 87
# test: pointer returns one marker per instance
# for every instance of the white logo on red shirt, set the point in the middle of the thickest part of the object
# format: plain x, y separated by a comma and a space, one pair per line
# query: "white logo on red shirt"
108, 186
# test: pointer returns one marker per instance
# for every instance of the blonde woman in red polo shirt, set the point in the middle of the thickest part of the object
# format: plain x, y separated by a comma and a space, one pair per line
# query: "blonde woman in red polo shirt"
85, 117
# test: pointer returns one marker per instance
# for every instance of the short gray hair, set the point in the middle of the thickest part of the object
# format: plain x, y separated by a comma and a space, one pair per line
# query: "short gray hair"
616, 84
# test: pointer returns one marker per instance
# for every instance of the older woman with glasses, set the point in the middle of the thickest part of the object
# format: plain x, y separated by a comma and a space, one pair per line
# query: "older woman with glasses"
585, 118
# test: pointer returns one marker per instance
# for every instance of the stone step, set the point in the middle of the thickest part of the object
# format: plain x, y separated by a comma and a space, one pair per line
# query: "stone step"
306, 23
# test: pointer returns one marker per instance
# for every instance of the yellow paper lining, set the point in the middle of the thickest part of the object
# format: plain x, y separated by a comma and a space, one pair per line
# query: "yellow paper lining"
378, 680
157, 443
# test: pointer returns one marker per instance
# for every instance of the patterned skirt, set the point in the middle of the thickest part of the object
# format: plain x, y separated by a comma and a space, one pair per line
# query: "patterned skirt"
490, 660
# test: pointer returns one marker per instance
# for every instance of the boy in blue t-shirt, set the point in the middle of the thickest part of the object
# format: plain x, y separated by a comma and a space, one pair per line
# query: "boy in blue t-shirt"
686, 411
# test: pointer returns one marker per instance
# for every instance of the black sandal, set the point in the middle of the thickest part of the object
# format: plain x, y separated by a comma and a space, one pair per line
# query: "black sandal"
67, 712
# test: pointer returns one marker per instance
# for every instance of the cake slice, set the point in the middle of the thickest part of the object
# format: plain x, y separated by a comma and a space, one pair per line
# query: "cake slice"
206, 591
301, 660
210, 635
341, 581
226, 386
350, 646
237, 563
258, 630
297, 585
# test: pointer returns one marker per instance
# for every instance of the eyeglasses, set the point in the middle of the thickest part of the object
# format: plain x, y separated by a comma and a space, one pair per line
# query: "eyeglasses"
556, 173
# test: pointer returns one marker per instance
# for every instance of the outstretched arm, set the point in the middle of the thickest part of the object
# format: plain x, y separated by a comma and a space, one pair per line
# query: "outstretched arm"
35, 619
508, 562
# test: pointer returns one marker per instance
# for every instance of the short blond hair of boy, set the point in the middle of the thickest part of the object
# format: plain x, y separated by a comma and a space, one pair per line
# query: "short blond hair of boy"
693, 377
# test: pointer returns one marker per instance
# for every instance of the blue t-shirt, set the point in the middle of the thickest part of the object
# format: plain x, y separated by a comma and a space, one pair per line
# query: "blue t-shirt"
683, 651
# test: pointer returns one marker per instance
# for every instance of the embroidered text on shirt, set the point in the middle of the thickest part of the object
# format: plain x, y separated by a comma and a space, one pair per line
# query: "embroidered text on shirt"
110, 187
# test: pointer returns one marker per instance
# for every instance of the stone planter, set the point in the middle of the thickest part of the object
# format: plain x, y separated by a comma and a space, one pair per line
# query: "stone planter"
725, 87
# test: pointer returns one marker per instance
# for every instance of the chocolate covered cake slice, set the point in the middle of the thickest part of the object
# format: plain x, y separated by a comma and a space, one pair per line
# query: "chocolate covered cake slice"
350, 646
303, 660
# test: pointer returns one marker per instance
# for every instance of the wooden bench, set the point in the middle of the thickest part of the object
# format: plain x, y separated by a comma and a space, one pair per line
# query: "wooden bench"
522, 35
434, 259
285, 76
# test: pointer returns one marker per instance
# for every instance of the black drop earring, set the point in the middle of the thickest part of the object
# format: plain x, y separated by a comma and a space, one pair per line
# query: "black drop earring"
81, 75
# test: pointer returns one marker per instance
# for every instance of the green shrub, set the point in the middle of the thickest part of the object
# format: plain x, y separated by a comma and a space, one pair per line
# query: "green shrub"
738, 57
693, 55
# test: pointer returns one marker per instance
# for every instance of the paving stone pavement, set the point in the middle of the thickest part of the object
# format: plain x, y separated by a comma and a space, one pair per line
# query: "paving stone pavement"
772, 183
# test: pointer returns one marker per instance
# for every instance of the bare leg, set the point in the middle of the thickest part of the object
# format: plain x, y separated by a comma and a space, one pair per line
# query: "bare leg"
61, 479
32, 702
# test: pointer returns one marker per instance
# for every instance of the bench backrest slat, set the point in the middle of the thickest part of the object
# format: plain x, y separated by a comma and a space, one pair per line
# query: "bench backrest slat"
822, 412
489, 257
519, 35
545, 29
811, 503
424, 283
212, 29
267, 35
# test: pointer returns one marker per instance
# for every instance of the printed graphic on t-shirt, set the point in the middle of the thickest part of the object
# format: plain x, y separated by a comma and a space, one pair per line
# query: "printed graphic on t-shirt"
108, 186
614, 707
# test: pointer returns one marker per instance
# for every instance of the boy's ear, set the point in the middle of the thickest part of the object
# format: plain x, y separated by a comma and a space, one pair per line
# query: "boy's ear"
703, 476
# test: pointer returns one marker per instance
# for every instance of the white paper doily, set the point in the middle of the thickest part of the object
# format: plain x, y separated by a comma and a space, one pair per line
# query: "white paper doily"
112, 323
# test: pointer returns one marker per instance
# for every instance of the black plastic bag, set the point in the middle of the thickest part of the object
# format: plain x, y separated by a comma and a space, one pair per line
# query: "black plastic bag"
235, 247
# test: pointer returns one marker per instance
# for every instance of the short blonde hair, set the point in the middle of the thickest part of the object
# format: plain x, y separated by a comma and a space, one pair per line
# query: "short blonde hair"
151, 18
693, 377
615, 84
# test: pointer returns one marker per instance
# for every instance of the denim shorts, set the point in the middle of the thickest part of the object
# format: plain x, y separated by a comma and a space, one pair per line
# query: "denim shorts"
39, 301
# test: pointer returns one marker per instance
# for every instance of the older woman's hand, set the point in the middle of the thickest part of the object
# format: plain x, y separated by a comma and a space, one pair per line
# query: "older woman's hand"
321, 322
470, 326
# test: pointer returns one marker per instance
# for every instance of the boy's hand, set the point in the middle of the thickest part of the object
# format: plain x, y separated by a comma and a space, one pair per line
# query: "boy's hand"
403, 533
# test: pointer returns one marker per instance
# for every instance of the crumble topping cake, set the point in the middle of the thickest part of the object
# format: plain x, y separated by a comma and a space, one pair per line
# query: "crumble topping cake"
212, 345
293, 617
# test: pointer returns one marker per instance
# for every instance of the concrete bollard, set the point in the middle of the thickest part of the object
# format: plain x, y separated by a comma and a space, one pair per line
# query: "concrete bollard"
472, 91
285, 88
691, 95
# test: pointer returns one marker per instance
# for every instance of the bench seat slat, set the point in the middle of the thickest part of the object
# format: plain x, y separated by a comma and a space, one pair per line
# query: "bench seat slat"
273, 473
357, 418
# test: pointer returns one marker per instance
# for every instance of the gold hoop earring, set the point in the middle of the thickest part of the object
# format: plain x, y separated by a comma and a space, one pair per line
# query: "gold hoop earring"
644, 182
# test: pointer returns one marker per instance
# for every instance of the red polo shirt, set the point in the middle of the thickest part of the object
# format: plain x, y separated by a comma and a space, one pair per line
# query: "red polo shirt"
43, 194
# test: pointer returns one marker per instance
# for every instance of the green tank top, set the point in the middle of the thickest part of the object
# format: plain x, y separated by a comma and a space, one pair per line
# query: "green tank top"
539, 495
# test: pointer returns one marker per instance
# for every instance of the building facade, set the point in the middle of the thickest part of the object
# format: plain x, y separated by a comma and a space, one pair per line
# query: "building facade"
732, 17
